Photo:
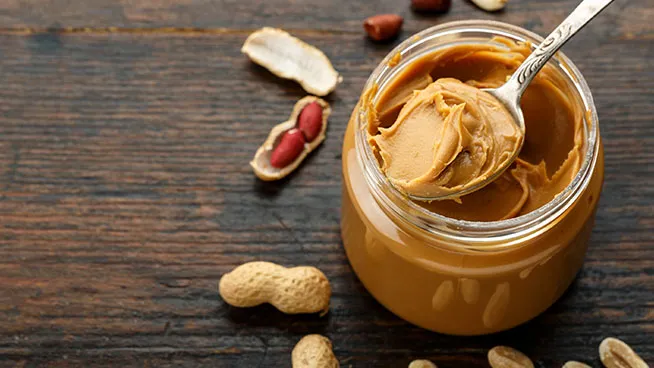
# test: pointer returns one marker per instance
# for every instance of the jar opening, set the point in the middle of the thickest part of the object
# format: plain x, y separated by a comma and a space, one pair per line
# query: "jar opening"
414, 215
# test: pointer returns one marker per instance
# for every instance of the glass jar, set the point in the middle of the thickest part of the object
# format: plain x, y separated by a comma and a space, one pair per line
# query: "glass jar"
454, 276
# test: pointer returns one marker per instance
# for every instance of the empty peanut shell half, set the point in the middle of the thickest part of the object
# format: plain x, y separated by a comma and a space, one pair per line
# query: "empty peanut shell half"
291, 58
490, 5
291, 141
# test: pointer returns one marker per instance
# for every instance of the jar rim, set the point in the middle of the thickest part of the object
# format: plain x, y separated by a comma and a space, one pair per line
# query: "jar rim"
477, 234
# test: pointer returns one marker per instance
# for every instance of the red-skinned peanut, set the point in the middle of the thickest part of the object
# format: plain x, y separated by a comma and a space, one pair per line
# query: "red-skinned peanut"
383, 27
288, 149
310, 121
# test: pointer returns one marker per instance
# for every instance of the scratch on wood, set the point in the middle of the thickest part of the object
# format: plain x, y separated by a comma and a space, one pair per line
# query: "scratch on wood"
288, 229
177, 284
167, 328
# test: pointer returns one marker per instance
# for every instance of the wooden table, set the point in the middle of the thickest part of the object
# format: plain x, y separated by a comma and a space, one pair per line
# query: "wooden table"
126, 128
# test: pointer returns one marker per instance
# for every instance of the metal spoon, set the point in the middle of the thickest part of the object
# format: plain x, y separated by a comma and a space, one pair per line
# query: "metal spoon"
511, 91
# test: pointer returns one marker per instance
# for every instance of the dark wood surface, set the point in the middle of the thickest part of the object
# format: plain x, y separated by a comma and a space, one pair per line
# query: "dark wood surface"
126, 128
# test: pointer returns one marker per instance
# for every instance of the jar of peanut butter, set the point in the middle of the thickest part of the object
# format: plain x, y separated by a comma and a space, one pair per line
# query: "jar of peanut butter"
495, 258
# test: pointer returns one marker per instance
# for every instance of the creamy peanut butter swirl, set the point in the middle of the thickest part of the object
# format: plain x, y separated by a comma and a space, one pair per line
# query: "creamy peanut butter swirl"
448, 137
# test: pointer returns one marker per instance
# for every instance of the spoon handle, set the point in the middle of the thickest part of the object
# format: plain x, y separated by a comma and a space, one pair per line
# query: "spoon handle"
584, 13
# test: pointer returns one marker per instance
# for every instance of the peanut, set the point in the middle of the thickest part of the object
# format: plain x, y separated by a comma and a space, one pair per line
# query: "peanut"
291, 290
616, 354
289, 142
490, 5
314, 351
573, 364
288, 149
506, 357
431, 5
422, 363
310, 121
383, 27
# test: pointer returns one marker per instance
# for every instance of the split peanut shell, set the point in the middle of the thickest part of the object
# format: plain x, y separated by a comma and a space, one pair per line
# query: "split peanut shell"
490, 5
291, 58
261, 162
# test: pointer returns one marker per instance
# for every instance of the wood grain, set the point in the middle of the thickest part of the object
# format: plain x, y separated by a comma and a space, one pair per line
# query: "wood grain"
125, 192
337, 16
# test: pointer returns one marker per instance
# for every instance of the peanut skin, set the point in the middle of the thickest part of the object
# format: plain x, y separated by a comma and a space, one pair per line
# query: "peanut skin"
314, 351
431, 5
310, 121
291, 290
383, 27
289, 148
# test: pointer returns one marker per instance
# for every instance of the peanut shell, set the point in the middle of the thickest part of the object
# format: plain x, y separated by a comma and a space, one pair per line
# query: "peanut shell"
291, 58
574, 364
291, 290
314, 351
506, 357
615, 353
422, 363
261, 162
490, 5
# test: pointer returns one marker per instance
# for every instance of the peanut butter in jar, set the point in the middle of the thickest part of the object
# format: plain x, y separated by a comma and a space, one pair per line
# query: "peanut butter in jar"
499, 256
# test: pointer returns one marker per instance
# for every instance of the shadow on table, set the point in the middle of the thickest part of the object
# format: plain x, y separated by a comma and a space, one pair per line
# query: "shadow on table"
268, 316
273, 83
271, 189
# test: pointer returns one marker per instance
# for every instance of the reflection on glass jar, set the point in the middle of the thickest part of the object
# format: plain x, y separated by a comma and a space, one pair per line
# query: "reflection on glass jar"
443, 296
497, 304
469, 290
456, 276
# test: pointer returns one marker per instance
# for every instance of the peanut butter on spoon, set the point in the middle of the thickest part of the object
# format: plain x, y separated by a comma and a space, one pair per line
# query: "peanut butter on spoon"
448, 137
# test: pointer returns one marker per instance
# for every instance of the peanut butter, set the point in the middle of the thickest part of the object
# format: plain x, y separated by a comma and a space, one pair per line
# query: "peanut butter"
435, 132
448, 137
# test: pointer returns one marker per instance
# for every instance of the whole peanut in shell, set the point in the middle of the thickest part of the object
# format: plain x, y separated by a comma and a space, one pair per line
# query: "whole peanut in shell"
507, 357
422, 363
314, 351
291, 290
616, 353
